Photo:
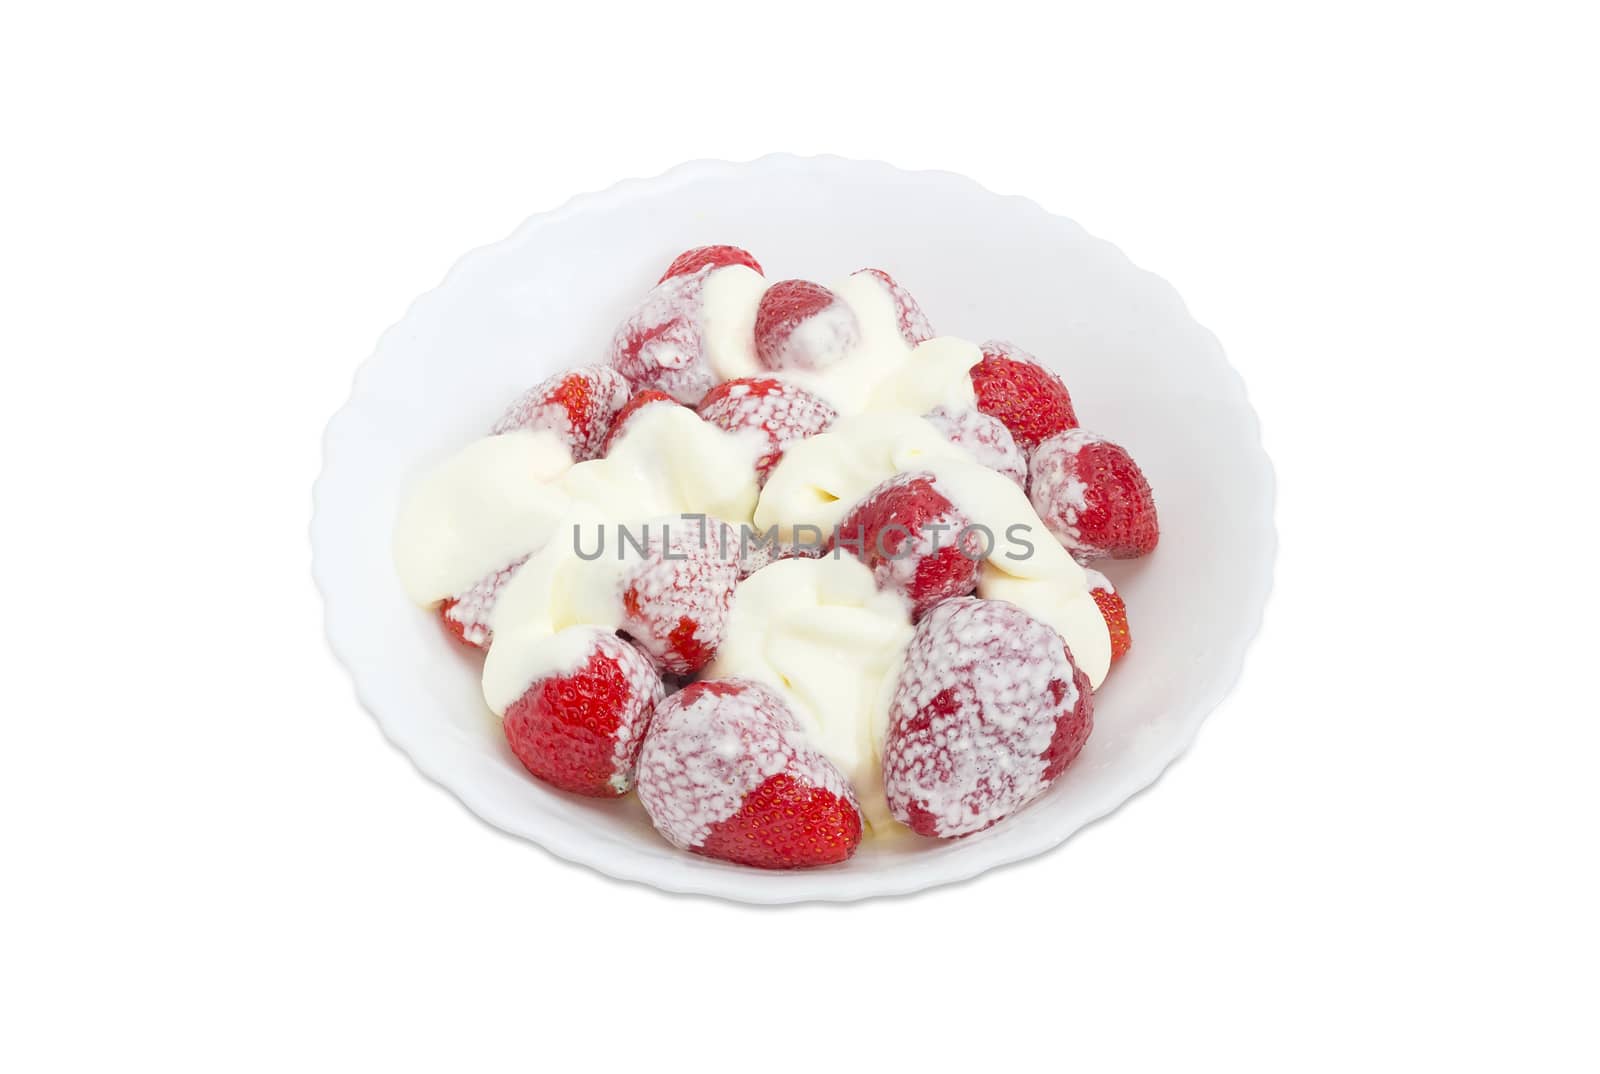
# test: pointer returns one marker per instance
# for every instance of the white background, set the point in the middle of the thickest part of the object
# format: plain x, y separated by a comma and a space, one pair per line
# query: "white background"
1378, 855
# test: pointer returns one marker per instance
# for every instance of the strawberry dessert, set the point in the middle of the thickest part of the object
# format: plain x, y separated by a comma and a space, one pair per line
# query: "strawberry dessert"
788, 571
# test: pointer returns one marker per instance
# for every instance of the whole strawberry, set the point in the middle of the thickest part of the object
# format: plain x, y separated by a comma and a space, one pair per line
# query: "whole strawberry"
984, 437
663, 343
676, 596
916, 541
578, 406
580, 726
726, 772
1028, 399
783, 412
988, 711
1093, 497
803, 325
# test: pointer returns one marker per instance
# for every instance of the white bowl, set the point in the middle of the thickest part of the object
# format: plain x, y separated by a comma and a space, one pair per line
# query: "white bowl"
983, 266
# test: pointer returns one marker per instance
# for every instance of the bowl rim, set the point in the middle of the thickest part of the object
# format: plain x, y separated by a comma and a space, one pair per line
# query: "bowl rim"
800, 886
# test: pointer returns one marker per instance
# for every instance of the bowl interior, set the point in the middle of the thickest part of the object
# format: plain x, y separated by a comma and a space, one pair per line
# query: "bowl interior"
982, 266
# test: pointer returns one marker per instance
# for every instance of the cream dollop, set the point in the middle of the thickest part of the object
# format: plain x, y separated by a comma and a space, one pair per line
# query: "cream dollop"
820, 633
668, 464
487, 506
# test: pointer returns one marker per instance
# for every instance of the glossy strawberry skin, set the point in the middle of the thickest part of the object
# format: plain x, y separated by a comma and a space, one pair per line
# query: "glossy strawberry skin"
582, 731
1114, 612
1093, 497
691, 261
726, 773
1029, 400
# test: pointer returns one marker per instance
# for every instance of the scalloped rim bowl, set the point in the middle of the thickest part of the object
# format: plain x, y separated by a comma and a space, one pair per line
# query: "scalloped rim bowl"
983, 266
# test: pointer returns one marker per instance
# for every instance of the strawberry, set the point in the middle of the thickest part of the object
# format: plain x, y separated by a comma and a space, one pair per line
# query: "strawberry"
692, 261
676, 597
988, 711
577, 405
1114, 612
985, 439
915, 540
639, 401
784, 412
581, 727
803, 325
661, 344
914, 326
1093, 497
466, 615
1029, 400
726, 772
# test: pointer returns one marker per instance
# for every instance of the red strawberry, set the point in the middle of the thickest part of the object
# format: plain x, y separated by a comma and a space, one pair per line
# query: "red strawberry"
1029, 400
581, 728
676, 598
691, 261
984, 438
914, 326
1114, 611
1093, 497
915, 540
726, 772
578, 406
466, 615
803, 325
782, 411
662, 345
639, 401
988, 711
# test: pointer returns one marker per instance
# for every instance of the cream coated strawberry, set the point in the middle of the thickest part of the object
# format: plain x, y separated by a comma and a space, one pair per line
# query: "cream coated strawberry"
726, 772
581, 727
641, 400
663, 343
1094, 497
916, 541
701, 257
578, 406
783, 412
676, 598
467, 615
985, 438
1027, 398
913, 323
988, 711
803, 325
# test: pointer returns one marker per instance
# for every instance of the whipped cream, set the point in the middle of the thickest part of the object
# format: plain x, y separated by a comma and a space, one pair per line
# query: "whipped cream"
820, 479
670, 462
485, 507
821, 634
667, 464
881, 373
